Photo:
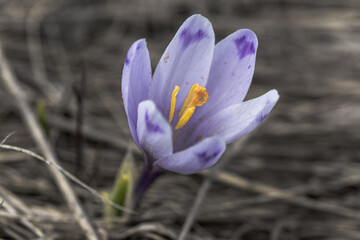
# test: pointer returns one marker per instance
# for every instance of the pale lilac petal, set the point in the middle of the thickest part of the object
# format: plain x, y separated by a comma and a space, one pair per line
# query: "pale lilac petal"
231, 71
229, 80
196, 158
237, 120
186, 61
135, 82
154, 132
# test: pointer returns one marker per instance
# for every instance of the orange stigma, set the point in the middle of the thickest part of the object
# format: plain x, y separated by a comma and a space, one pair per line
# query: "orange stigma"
196, 98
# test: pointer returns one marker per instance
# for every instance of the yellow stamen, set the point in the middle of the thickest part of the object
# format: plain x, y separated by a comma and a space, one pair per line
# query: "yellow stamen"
173, 102
196, 98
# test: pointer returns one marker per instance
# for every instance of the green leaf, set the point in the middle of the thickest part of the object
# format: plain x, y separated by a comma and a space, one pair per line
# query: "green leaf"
41, 114
121, 192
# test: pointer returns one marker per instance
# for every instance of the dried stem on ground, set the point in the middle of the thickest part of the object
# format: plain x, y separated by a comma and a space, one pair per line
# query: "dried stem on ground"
39, 136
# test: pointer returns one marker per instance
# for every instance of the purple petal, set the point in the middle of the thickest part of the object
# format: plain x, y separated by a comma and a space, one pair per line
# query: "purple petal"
186, 61
237, 120
135, 82
153, 131
196, 158
231, 71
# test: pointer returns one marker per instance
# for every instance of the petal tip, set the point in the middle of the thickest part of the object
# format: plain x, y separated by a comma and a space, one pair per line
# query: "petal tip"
137, 45
251, 36
272, 98
273, 95
197, 17
146, 104
246, 42
195, 29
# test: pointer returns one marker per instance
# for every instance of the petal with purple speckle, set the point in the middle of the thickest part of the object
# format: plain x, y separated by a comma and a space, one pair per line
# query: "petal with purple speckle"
186, 61
237, 120
154, 131
196, 158
135, 82
232, 70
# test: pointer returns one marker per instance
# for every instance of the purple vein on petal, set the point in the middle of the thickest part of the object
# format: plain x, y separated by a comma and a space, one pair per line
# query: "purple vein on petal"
262, 117
151, 127
205, 157
140, 45
188, 38
127, 60
244, 47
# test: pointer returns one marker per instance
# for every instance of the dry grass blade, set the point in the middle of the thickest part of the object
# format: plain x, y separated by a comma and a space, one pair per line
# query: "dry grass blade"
205, 186
17, 209
67, 174
101, 135
242, 183
39, 136
6, 138
35, 50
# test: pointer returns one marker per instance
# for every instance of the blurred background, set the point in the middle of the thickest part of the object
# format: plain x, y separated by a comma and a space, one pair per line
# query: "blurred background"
297, 176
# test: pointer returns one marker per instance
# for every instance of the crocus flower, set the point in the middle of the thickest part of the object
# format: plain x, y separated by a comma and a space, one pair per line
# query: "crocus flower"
183, 116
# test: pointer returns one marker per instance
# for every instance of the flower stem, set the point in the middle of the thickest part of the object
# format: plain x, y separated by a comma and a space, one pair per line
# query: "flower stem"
147, 177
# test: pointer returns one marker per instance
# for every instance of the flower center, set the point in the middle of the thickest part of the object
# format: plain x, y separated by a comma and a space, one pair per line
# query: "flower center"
197, 97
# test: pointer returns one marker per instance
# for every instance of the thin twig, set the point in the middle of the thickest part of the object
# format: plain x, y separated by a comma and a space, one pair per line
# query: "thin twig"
7, 137
59, 53
298, 190
36, 130
69, 175
275, 193
33, 20
190, 218
15, 202
80, 92
16, 207
204, 188
96, 134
